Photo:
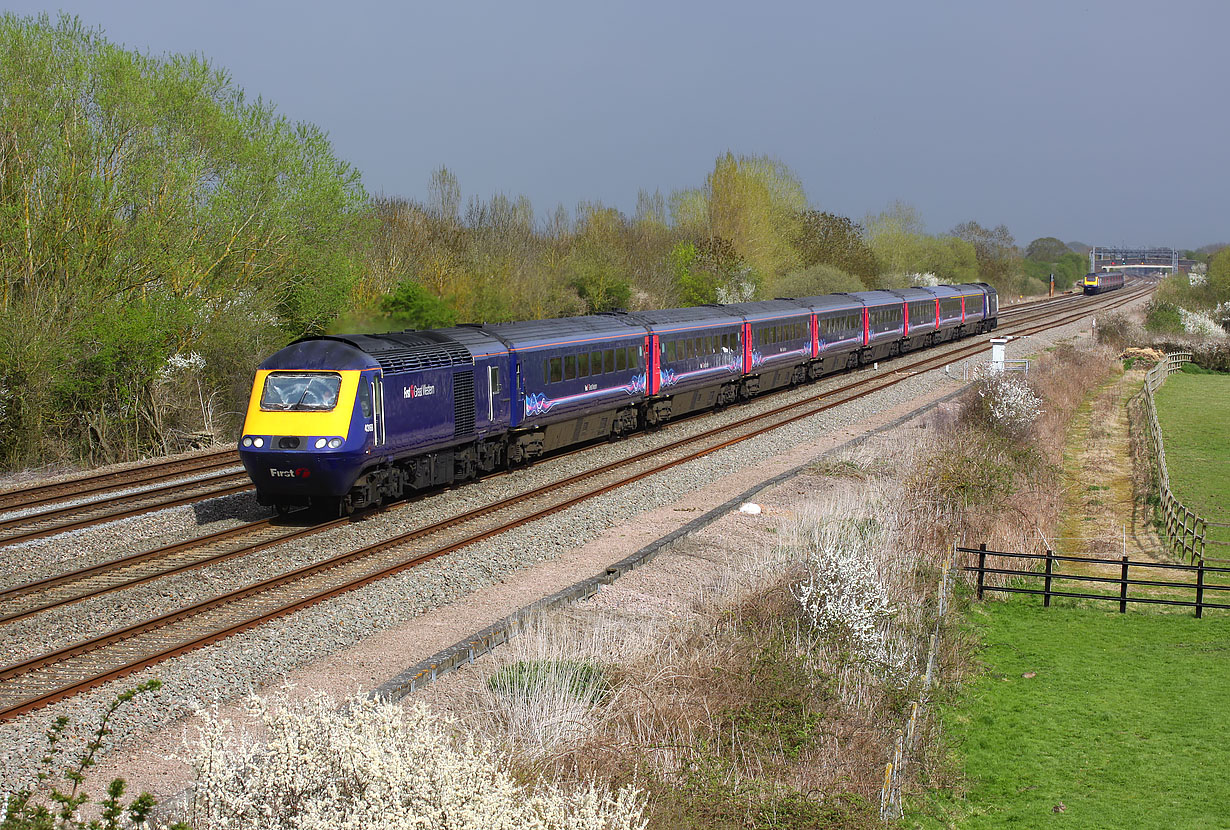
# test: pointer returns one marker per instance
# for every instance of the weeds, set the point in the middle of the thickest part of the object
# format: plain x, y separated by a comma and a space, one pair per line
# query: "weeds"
56, 802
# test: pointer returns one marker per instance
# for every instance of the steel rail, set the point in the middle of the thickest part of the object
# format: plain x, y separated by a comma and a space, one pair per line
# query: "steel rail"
91, 483
33, 664
90, 521
169, 552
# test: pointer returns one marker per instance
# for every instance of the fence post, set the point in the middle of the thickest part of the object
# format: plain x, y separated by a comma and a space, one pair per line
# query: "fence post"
982, 567
1123, 587
1046, 592
1200, 588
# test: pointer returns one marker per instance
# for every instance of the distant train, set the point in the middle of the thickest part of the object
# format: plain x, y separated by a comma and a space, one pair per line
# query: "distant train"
344, 422
1096, 283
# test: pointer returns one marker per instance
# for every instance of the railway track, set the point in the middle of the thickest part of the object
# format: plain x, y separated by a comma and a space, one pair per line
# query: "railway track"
218, 476
45, 678
155, 472
107, 482
24, 601
37, 525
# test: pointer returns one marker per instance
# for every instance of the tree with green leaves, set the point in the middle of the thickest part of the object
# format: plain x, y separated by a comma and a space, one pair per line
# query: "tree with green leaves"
828, 239
149, 208
995, 249
1046, 249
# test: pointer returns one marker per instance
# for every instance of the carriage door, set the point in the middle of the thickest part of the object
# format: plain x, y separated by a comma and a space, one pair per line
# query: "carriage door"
498, 397
653, 365
378, 436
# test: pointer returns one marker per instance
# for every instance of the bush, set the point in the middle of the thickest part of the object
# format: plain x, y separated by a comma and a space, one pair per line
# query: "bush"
1163, 317
1118, 331
411, 305
809, 282
1004, 402
375, 764
56, 802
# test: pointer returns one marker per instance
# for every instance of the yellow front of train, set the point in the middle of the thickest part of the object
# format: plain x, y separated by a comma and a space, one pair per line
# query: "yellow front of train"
309, 423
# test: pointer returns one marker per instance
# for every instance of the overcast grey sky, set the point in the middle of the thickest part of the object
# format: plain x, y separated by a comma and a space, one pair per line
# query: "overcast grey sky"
1099, 120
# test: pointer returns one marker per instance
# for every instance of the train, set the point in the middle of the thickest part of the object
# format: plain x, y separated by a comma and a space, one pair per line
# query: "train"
1097, 283
343, 422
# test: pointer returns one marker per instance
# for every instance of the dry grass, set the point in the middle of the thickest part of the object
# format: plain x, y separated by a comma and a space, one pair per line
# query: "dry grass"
726, 700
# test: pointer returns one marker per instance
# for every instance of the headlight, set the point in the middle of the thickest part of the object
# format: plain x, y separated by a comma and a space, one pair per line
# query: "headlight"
334, 443
320, 443
258, 442
247, 441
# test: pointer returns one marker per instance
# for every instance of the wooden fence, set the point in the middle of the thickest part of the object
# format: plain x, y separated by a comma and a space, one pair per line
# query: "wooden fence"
1049, 575
1183, 528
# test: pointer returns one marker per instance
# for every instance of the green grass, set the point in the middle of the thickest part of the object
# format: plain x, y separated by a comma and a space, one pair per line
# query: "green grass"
1126, 722
1194, 411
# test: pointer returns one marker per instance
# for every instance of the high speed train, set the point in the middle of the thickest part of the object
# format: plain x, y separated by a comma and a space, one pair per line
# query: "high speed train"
348, 421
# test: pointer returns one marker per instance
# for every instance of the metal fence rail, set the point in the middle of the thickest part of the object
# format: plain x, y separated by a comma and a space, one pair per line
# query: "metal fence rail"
1185, 530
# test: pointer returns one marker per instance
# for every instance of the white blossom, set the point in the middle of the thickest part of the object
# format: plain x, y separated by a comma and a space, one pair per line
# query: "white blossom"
843, 595
1010, 401
374, 764
1201, 323
741, 288
927, 279
181, 363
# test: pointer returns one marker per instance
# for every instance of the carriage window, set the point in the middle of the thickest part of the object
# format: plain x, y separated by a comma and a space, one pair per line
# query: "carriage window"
635, 353
583, 365
300, 392
365, 399
557, 373
595, 363
570, 367
608, 360
621, 359
670, 352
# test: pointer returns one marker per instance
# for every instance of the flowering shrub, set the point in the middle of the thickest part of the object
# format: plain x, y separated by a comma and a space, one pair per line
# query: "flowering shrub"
1005, 401
374, 764
843, 595
1201, 323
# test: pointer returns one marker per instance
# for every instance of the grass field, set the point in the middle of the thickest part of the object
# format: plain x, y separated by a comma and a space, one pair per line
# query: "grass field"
1194, 410
1125, 722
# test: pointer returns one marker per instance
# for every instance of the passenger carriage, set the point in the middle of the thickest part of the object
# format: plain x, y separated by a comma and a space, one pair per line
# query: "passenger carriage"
839, 331
696, 359
950, 311
973, 307
885, 324
919, 326
777, 344
578, 379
